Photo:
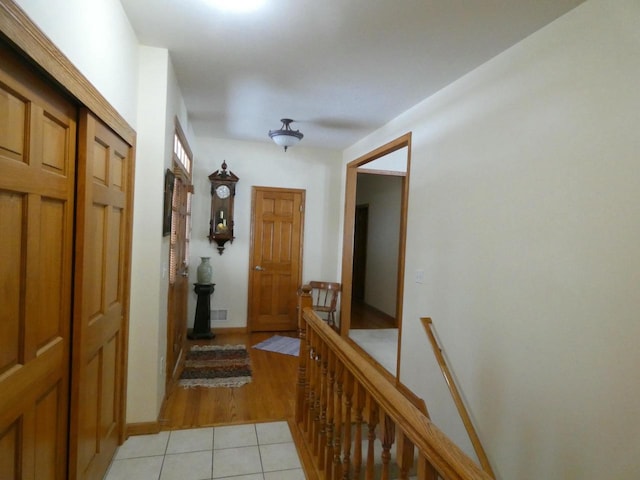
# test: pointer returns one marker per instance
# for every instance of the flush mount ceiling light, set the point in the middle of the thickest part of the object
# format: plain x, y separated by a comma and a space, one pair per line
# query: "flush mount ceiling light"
285, 137
237, 6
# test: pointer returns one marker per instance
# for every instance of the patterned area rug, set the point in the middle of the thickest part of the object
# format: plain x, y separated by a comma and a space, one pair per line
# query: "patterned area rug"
279, 344
216, 366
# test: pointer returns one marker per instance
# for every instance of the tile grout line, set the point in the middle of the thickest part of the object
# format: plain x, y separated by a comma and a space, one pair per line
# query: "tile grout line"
213, 448
255, 428
164, 456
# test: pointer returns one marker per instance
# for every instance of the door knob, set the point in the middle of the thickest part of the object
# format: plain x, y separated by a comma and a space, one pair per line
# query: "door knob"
258, 268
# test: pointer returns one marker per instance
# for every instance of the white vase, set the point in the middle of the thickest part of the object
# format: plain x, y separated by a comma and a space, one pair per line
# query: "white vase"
204, 271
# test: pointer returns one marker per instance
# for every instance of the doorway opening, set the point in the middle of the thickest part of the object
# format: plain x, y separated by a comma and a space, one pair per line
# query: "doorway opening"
374, 245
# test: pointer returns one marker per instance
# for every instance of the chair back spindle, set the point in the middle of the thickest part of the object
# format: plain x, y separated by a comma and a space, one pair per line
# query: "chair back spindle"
325, 299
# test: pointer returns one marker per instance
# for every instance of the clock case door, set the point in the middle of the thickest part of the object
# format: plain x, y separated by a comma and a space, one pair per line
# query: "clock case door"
221, 221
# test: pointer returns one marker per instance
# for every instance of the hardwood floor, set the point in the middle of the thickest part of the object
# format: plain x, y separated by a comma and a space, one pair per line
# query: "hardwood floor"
270, 395
365, 316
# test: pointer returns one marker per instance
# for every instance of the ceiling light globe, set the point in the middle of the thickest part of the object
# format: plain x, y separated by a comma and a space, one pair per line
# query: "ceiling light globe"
285, 136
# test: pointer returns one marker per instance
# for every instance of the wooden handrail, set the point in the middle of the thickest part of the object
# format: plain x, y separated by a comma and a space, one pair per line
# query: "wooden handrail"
457, 398
325, 358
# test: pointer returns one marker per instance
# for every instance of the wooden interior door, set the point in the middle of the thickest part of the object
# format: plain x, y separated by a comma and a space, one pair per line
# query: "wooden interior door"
103, 236
179, 274
37, 178
277, 223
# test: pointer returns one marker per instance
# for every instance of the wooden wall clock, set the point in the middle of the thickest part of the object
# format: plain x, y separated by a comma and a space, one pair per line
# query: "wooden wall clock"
223, 192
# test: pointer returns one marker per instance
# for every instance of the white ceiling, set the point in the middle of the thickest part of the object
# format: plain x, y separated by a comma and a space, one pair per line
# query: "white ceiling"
339, 68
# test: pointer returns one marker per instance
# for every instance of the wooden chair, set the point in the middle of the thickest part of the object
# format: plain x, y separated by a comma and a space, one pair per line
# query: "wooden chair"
325, 298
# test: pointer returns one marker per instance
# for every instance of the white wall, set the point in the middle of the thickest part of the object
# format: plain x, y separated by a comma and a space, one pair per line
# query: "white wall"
524, 212
395, 161
98, 39
148, 271
318, 171
160, 102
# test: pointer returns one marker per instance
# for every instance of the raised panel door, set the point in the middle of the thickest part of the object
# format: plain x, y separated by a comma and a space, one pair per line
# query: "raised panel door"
276, 258
103, 217
37, 179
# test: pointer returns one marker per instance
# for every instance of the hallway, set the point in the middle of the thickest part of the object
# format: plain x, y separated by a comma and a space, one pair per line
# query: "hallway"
209, 433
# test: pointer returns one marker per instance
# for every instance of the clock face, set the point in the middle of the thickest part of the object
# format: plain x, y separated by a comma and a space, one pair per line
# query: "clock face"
223, 191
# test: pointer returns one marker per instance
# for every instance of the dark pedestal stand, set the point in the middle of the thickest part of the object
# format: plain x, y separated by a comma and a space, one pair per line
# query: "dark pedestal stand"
202, 323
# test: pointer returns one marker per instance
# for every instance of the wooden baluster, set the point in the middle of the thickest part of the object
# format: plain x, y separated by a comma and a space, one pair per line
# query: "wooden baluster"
328, 440
317, 406
426, 470
372, 422
304, 301
388, 438
320, 372
314, 398
348, 399
404, 456
324, 400
337, 460
357, 453
324, 395
309, 386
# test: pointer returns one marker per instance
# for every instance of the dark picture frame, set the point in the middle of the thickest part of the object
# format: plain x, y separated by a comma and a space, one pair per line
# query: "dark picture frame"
169, 182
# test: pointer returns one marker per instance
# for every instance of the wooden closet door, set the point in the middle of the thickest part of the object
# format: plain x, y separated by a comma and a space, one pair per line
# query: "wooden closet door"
103, 226
37, 177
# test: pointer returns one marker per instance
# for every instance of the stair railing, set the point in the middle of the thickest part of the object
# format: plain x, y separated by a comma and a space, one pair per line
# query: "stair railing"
351, 417
457, 398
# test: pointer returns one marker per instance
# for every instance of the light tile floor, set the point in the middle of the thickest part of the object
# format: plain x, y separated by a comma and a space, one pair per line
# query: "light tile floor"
380, 343
261, 451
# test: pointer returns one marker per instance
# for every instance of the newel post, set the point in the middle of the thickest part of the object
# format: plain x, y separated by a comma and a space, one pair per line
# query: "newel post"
304, 300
